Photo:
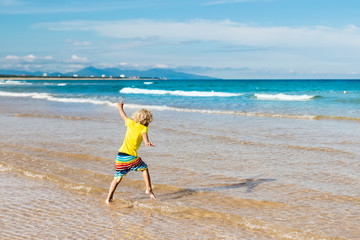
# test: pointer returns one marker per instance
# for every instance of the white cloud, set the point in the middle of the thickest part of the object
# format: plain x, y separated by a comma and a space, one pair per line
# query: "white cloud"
78, 43
75, 58
159, 65
47, 63
127, 66
225, 31
28, 63
141, 43
11, 57
28, 58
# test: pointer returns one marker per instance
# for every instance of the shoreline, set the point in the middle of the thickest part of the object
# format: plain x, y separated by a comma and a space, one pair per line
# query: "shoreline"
264, 178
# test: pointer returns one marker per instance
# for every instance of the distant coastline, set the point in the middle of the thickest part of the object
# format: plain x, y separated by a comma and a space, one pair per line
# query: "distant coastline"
91, 72
15, 77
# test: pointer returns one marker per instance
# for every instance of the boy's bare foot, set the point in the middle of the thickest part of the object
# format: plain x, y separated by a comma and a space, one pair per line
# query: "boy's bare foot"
107, 201
151, 194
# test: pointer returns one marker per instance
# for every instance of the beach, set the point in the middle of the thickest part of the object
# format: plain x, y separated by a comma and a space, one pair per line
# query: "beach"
227, 163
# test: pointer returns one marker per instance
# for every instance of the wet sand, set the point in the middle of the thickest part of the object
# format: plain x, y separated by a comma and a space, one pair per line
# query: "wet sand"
215, 176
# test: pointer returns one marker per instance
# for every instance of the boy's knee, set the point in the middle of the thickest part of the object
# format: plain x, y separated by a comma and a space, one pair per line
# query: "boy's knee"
117, 180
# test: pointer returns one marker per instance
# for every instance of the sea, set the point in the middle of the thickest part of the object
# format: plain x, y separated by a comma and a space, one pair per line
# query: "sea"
233, 159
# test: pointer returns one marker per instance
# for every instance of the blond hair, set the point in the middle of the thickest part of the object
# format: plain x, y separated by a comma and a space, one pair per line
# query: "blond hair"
143, 117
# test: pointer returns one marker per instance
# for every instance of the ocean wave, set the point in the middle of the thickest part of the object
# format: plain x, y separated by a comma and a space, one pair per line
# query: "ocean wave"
148, 83
222, 112
284, 97
11, 82
128, 90
55, 84
49, 97
240, 113
15, 94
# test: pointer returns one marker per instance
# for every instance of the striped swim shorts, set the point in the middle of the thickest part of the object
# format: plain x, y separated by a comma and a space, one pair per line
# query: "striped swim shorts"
125, 163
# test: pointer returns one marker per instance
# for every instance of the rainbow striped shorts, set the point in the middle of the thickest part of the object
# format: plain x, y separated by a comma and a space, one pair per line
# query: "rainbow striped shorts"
125, 163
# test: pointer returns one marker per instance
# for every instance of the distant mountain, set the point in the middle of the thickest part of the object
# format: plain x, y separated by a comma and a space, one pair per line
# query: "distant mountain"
114, 72
151, 73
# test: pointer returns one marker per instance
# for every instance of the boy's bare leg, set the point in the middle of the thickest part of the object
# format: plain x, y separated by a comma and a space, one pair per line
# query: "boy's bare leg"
114, 183
147, 180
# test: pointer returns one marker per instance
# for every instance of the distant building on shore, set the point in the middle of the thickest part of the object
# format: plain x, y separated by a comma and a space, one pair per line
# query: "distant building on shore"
45, 75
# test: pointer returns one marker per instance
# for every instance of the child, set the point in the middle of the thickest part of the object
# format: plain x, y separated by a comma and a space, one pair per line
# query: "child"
127, 158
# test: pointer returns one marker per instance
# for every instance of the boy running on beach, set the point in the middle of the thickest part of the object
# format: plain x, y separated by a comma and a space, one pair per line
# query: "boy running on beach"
127, 158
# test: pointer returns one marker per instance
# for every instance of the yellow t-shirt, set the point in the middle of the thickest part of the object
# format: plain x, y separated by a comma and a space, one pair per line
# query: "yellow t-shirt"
133, 137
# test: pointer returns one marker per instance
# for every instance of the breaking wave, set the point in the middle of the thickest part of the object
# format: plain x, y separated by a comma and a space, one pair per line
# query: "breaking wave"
284, 97
49, 97
11, 82
128, 90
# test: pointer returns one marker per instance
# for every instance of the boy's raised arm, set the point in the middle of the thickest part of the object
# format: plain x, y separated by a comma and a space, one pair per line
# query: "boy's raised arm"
120, 106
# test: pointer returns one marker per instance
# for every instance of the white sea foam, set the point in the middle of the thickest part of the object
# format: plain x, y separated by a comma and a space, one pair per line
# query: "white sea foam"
55, 84
81, 100
5, 168
34, 175
41, 96
15, 94
148, 83
178, 92
222, 112
10, 82
49, 97
283, 97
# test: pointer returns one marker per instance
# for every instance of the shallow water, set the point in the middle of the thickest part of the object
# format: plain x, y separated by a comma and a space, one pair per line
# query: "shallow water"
216, 176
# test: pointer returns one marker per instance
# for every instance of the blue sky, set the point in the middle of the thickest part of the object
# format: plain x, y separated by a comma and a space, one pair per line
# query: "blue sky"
220, 38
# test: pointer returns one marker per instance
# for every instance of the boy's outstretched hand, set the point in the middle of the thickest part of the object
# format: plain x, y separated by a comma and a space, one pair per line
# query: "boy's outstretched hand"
121, 103
121, 110
146, 140
149, 144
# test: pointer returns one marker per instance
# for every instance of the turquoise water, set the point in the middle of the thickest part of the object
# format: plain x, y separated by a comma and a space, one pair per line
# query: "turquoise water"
338, 99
